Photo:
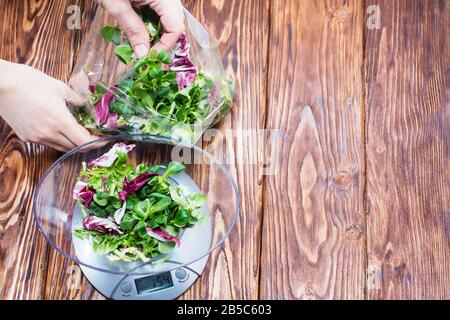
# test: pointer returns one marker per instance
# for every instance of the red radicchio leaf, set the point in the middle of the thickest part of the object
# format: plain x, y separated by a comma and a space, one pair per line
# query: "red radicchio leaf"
182, 46
162, 235
108, 158
102, 106
135, 184
81, 192
111, 122
79, 186
104, 182
185, 70
92, 88
213, 94
101, 225
87, 195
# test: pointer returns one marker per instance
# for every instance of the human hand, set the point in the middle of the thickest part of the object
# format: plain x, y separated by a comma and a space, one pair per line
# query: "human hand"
34, 105
172, 20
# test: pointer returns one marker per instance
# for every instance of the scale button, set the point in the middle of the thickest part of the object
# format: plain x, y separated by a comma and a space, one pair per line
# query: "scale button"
181, 274
126, 287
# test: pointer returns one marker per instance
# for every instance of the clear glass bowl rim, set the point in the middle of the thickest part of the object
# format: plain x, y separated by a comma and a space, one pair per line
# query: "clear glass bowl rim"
165, 140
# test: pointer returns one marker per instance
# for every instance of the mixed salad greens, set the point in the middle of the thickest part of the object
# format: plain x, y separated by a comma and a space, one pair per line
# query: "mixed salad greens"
163, 93
133, 212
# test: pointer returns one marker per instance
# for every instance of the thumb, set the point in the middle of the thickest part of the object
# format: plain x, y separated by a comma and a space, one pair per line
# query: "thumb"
134, 28
77, 92
74, 98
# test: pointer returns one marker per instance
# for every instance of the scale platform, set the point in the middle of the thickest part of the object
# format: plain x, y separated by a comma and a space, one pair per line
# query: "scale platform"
146, 281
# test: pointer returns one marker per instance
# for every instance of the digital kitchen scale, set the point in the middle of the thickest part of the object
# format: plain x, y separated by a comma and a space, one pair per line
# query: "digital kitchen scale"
166, 280
165, 277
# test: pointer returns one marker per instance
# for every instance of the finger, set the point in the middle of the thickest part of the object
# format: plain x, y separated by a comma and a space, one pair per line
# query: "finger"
62, 141
94, 145
167, 41
79, 82
71, 96
172, 20
74, 98
140, 3
133, 26
55, 146
76, 133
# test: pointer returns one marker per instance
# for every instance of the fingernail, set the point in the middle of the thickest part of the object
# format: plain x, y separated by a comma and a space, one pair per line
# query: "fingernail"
141, 50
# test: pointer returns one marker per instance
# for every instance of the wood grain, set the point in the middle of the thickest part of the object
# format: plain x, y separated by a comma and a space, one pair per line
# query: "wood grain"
313, 226
64, 279
227, 274
23, 251
360, 205
233, 272
407, 152
33, 33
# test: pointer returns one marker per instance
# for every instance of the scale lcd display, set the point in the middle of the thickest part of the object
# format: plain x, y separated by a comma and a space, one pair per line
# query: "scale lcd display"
154, 283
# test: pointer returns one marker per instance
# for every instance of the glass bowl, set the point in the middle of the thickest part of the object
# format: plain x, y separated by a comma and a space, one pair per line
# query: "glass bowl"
57, 213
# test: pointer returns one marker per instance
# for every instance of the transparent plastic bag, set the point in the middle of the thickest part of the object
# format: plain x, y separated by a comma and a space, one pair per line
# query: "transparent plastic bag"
159, 94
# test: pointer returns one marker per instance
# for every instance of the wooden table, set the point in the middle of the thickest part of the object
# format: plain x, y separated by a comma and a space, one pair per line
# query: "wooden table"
359, 208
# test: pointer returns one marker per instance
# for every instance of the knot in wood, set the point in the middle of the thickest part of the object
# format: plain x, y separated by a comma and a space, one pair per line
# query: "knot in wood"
310, 292
397, 261
343, 178
353, 232
341, 13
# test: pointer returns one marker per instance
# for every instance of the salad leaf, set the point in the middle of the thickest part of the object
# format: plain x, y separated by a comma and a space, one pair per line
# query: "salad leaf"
131, 212
186, 72
83, 193
79, 186
164, 57
125, 53
166, 247
173, 168
102, 107
162, 235
197, 200
128, 254
101, 225
112, 121
98, 210
181, 218
122, 108
135, 184
175, 194
161, 203
108, 158
120, 212
128, 222
112, 34
100, 199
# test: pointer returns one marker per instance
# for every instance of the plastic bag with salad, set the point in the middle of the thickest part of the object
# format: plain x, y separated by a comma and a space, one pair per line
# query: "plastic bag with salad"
177, 94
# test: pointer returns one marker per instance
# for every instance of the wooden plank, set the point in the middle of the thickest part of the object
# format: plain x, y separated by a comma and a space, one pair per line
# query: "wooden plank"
407, 152
241, 28
24, 38
231, 273
23, 251
313, 238
64, 279
33, 33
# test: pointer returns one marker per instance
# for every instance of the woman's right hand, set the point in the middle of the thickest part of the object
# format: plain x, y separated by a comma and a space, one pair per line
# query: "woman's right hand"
172, 20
